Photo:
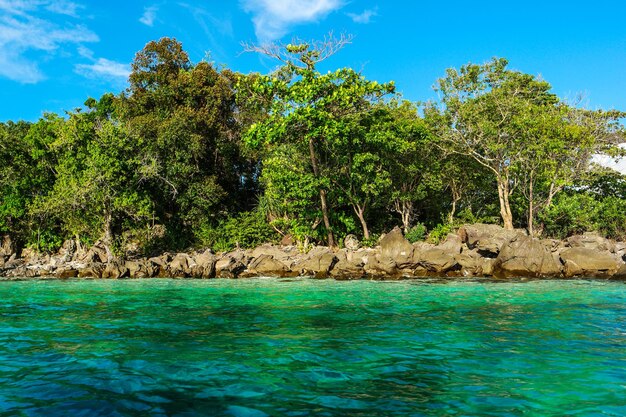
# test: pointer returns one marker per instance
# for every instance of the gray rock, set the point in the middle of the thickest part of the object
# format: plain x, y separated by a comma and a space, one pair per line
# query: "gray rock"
487, 238
351, 242
590, 240
394, 246
586, 261
266, 265
524, 256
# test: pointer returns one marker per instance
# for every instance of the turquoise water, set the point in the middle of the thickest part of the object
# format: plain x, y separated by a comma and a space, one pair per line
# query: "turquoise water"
269, 347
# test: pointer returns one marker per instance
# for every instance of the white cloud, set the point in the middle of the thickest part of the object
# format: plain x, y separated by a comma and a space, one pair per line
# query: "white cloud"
23, 31
364, 17
149, 15
273, 18
68, 8
104, 68
607, 161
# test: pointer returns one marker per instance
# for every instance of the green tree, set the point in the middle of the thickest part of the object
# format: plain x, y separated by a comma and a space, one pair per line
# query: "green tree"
96, 191
184, 114
315, 113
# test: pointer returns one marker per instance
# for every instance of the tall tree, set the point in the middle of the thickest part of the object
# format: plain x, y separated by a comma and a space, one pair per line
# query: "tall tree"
184, 115
313, 111
477, 118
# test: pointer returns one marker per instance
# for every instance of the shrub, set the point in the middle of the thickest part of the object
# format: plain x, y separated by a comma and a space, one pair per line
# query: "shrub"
416, 233
439, 232
246, 230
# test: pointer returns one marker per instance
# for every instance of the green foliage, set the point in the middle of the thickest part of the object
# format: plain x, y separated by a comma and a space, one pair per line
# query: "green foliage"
569, 215
246, 230
439, 232
371, 242
416, 233
183, 155
44, 240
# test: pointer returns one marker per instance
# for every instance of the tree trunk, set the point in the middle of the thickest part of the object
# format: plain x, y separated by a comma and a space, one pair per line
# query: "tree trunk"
505, 207
360, 212
531, 207
108, 232
324, 205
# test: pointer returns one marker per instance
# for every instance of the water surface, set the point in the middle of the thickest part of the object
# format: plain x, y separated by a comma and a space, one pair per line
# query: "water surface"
269, 347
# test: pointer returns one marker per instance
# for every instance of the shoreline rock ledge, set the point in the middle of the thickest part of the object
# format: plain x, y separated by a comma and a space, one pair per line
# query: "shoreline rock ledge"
477, 250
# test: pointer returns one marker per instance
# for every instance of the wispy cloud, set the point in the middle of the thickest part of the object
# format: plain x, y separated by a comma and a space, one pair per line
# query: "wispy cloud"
68, 8
27, 35
363, 17
273, 18
104, 68
149, 15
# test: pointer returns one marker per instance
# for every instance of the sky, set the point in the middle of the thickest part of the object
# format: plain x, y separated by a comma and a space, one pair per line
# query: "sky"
54, 54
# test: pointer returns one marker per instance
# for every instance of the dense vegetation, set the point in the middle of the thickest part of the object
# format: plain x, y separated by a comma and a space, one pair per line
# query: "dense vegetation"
193, 155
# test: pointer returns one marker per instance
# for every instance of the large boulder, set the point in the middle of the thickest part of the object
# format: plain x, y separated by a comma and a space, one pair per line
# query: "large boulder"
351, 242
472, 264
266, 265
204, 265
437, 260
318, 262
181, 266
590, 240
589, 262
141, 268
394, 246
6, 247
488, 239
115, 270
524, 256
93, 270
97, 253
231, 264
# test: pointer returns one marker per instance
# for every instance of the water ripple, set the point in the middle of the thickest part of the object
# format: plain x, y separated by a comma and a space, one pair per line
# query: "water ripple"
255, 348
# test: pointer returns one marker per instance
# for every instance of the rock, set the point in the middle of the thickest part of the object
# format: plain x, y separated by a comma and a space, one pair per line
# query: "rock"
437, 260
97, 253
621, 273
180, 266
67, 251
231, 264
205, 265
318, 263
586, 261
524, 256
590, 240
472, 264
351, 242
115, 270
66, 273
453, 244
488, 239
93, 270
140, 269
382, 267
266, 265
7, 248
620, 250
394, 246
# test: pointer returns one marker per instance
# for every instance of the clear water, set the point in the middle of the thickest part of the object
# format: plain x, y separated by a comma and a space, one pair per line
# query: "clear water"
267, 347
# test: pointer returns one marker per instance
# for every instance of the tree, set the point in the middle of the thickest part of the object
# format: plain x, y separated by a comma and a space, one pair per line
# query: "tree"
481, 105
96, 190
314, 111
185, 117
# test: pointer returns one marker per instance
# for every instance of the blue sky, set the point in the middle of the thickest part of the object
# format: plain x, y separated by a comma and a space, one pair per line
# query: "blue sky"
56, 53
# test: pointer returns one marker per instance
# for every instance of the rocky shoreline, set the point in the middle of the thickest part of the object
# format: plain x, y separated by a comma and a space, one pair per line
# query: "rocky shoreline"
477, 250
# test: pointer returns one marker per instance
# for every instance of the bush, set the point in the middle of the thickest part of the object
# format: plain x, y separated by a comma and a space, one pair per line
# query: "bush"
439, 232
416, 233
246, 230
569, 215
